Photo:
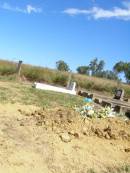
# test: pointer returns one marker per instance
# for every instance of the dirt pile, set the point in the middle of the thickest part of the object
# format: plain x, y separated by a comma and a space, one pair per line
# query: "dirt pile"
60, 120
60, 140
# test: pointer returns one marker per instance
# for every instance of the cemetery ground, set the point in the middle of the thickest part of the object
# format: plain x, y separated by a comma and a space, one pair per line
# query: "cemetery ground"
41, 132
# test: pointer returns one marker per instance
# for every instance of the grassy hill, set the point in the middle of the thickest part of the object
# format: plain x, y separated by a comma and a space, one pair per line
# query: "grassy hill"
35, 73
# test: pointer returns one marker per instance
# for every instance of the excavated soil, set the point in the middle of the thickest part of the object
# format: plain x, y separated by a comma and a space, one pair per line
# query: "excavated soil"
59, 140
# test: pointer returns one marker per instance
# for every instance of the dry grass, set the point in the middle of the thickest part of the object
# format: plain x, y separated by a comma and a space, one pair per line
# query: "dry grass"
35, 73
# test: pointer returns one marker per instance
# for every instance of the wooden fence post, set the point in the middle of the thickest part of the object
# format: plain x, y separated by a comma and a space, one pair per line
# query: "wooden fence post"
19, 68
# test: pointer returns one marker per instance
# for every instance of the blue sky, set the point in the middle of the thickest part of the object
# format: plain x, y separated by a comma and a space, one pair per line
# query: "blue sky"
42, 32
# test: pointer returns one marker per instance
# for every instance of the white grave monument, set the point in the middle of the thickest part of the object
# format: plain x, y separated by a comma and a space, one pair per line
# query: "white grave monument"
70, 90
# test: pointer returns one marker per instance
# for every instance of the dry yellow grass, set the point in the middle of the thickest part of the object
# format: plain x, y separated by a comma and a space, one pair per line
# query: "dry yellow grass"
35, 73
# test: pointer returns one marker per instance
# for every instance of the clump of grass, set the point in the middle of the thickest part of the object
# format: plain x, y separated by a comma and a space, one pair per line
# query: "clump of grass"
60, 79
124, 169
12, 77
7, 68
91, 171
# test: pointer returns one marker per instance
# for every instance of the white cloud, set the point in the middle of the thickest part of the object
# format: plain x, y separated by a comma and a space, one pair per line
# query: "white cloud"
98, 13
30, 9
75, 11
27, 10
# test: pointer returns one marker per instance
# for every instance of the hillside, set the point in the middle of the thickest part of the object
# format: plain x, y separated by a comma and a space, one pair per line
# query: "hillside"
40, 132
34, 73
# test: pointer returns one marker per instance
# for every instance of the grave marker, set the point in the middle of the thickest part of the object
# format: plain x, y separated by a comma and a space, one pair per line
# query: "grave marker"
119, 94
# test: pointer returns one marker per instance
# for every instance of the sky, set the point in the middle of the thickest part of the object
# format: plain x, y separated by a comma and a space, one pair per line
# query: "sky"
41, 32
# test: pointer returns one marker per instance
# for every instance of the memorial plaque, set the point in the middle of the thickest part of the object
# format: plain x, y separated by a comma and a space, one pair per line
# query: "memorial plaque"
72, 86
119, 94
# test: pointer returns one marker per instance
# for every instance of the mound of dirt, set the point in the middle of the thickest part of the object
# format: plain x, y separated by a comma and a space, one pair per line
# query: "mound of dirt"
54, 140
60, 120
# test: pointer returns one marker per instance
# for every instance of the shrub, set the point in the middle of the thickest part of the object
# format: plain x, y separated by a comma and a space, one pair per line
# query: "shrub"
60, 79
7, 68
